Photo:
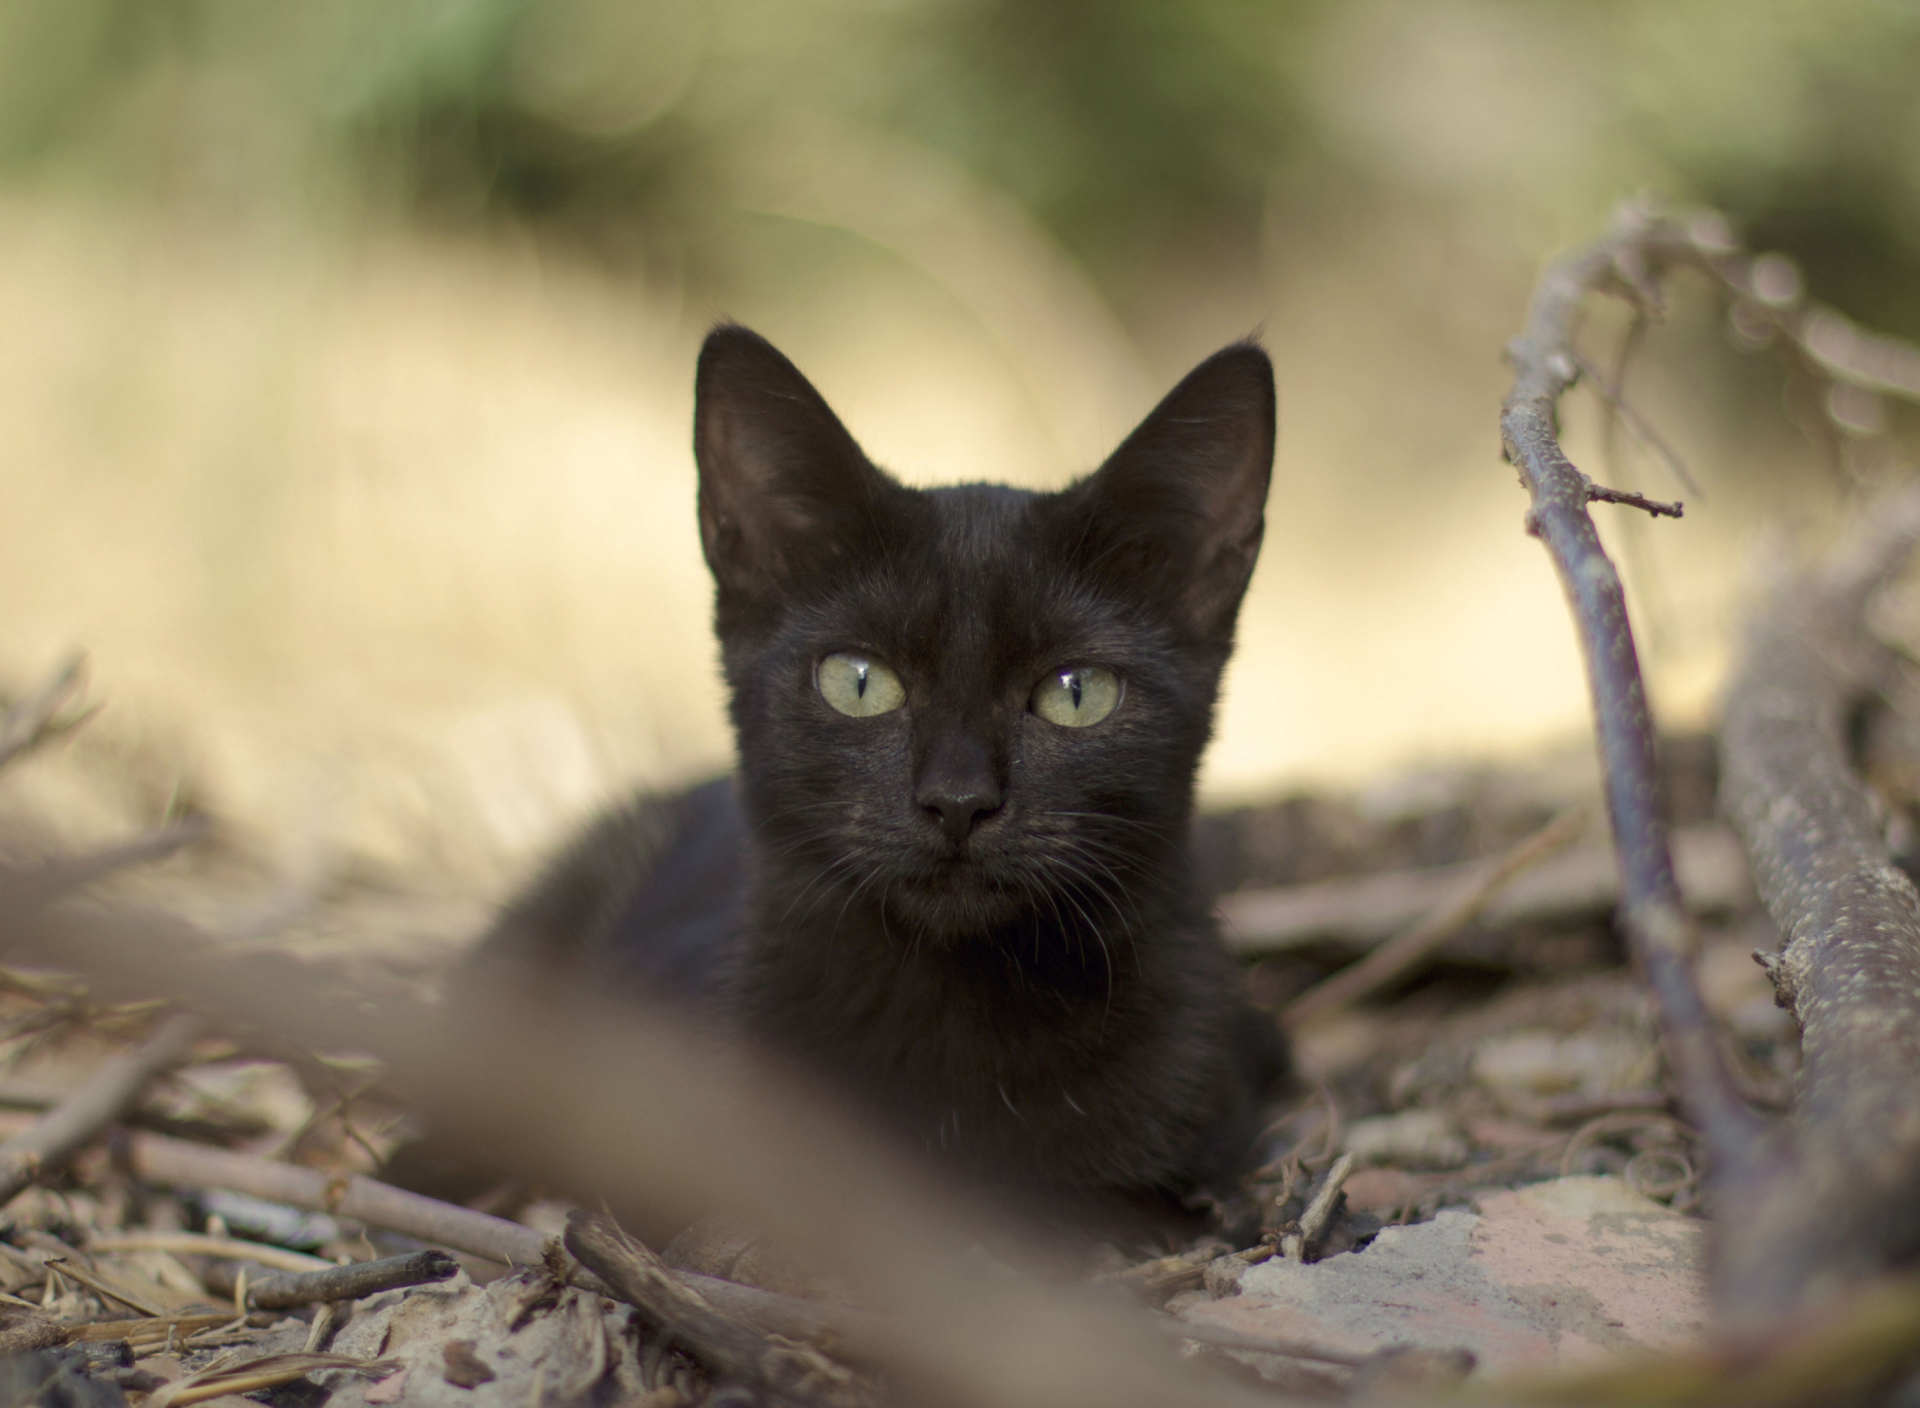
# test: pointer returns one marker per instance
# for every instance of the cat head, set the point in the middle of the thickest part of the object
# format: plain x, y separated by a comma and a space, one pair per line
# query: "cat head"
975, 705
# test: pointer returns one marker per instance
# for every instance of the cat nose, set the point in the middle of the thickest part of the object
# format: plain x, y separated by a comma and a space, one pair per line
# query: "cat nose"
957, 788
959, 810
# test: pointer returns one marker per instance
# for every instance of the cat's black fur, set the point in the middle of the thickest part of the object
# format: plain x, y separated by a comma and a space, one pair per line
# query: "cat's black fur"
982, 926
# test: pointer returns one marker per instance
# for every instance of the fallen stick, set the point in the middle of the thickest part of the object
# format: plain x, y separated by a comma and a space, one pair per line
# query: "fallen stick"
1413, 946
1362, 913
351, 1282
854, 1333
1798, 1211
735, 1347
160, 1159
106, 1095
1223, 1338
104, 1287
1845, 1201
179, 1325
157, 1158
220, 1380
180, 1163
1294, 1244
1658, 930
648, 1113
197, 1244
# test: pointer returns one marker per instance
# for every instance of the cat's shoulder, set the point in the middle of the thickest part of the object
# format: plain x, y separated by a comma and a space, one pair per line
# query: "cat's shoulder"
646, 898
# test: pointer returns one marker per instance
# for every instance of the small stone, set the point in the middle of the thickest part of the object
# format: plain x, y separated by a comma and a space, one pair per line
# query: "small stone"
1572, 1271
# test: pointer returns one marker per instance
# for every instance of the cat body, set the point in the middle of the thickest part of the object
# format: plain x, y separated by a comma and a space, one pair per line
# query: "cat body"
950, 878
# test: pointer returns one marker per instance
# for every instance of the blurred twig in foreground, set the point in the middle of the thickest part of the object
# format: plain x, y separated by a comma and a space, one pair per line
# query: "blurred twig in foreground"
646, 1113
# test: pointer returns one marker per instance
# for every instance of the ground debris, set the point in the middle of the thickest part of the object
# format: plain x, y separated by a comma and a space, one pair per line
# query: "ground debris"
462, 1344
1570, 1271
1522, 1052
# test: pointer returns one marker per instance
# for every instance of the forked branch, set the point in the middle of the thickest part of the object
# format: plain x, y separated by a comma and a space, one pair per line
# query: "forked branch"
1545, 367
1830, 1198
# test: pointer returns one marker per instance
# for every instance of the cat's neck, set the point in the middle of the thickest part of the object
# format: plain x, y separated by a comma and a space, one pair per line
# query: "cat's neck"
1069, 960
1046, 1051
1054, 926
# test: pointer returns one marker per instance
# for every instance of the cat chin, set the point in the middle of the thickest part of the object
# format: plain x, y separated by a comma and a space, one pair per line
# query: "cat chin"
955, 909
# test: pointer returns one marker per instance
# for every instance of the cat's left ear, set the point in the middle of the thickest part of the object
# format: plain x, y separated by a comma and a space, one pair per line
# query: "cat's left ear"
1182, 502
784, 490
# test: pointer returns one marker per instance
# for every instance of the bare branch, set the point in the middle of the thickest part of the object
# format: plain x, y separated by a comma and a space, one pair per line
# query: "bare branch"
1294, 1244
1801, 1209
351, 1282
1362, 912
183, 1163
1413, 946
736, 1348
1597, 494
651, 1115
199, 1244
1847, 1203
107, 1095
1657, 926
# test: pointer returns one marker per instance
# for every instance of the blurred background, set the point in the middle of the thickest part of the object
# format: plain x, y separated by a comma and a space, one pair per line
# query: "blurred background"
346, 352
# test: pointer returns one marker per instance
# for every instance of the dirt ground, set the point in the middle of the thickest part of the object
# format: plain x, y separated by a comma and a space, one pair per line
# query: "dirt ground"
1498, 1106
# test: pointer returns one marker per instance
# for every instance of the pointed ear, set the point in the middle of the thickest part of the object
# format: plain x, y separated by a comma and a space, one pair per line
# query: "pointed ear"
784, 489
1181, 504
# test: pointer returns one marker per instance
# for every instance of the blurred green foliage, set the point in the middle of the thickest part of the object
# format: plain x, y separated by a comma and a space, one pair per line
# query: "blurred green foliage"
1132, 129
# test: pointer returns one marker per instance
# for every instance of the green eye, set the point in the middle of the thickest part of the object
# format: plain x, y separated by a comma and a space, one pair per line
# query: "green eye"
1077, 697
856, 685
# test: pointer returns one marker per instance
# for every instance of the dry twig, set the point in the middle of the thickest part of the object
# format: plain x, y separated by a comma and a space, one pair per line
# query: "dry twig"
1407, 950
160, 1159
103, 1286
351, 1282
1369, 910
197, 1244
1846, 1202
1835, 1200
734, 1347
646, 1114
1294, 1244
107, 1095
218, 1380
1643, 429
182, 1163
1656, 924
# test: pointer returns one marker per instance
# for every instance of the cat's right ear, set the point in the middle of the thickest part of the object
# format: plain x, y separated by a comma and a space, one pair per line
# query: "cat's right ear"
783, 487
1181, 504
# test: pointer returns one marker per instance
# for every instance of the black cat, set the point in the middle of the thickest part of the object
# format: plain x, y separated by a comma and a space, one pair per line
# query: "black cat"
951, 878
